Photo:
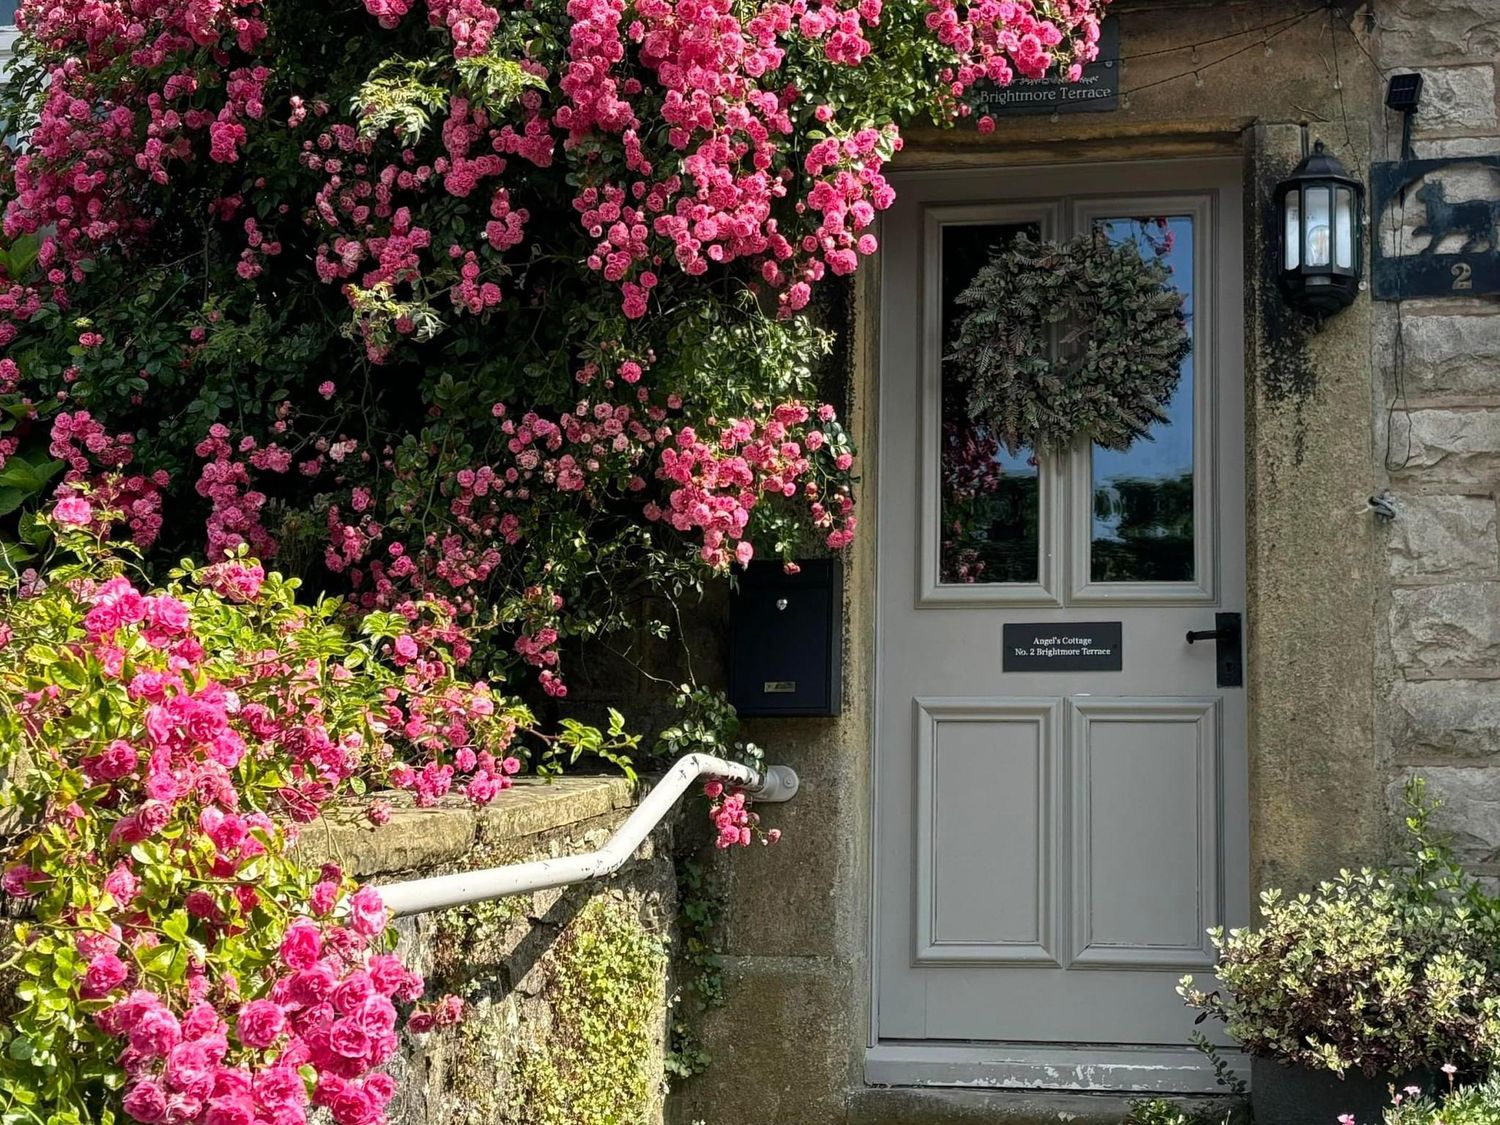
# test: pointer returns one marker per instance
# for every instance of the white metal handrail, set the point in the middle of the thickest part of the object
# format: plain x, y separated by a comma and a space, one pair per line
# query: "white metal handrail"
418, 896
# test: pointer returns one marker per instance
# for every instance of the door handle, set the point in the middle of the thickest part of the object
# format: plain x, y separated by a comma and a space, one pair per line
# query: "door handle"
1229, 635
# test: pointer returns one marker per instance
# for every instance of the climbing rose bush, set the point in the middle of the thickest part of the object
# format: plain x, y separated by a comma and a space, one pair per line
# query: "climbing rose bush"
161, 749
506, 305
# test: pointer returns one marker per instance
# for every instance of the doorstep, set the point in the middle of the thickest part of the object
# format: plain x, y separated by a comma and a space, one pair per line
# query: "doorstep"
877, 1105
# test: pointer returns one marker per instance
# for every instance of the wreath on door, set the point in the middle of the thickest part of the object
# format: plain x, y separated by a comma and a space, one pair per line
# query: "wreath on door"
1067, 340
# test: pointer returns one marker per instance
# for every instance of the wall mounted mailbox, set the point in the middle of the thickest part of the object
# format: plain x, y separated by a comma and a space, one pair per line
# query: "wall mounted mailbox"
786, 640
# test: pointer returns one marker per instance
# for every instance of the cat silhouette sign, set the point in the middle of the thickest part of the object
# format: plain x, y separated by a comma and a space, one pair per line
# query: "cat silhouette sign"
1436, 228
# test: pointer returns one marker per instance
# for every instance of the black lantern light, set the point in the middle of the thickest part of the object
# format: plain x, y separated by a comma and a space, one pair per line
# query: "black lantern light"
1321, 209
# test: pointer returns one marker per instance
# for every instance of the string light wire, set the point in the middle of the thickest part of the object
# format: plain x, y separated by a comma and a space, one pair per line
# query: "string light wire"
1288, 24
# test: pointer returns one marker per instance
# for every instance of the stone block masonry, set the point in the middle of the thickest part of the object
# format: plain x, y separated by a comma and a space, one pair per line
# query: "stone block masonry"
1441, 646
566, 991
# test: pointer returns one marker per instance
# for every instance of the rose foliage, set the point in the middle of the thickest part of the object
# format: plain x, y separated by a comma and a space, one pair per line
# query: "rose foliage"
496, 324
499, 303
164, 747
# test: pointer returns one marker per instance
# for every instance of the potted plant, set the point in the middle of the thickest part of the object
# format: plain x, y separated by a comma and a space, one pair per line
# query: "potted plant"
1374, 982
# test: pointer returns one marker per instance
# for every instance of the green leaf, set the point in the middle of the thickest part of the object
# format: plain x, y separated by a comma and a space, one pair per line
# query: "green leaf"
175, 926
13, 498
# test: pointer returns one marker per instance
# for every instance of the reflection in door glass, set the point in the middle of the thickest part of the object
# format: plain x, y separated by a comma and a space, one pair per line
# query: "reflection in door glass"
991, 501
1143, 497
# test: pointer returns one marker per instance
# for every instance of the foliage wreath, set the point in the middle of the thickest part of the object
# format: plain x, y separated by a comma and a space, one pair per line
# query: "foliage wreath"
1119, 357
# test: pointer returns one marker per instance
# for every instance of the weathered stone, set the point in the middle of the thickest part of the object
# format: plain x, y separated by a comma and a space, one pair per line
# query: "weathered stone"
896, 1106
1452, 355
1417, 31
1468, 807
1443, 535
1436, 719
427, 839
1462, 446
1457, 98
786, 1036
510, 1059
1443, 628
1435, 147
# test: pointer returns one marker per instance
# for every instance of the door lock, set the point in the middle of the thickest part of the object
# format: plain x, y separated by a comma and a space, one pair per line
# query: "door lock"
1229, 634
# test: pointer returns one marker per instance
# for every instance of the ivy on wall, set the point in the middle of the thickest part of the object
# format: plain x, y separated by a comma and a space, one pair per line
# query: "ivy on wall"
599, 1063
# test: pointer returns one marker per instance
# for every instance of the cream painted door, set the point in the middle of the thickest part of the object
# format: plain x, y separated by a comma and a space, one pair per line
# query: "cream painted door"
1051, 846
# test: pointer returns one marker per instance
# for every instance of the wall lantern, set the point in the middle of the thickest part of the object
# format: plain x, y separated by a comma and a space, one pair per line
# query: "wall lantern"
1321, 210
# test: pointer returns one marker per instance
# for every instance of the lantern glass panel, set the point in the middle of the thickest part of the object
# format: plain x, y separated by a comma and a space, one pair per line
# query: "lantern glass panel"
1343, 229
1319, 226
1292, 239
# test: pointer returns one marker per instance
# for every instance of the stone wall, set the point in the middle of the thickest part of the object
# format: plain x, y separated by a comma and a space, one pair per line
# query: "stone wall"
567, 991
1437, 422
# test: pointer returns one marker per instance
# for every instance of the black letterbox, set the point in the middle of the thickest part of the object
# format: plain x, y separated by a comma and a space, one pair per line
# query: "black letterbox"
786, 640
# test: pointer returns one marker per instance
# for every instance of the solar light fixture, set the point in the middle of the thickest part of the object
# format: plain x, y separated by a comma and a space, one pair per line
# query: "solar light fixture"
1404, 94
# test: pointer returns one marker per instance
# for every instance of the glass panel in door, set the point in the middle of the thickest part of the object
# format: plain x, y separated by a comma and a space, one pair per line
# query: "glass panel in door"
1143, 498
991, 499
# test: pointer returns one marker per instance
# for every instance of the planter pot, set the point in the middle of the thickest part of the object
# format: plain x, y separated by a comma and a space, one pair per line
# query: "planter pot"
1299, 1095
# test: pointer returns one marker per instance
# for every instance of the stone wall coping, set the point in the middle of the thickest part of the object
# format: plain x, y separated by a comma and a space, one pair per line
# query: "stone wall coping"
447, 836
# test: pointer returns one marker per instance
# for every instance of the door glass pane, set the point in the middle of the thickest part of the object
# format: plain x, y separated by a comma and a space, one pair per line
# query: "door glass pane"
1143, 497
7, 13
991, 501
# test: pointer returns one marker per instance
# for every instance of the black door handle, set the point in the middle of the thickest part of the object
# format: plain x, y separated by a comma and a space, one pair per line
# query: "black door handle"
1229, 634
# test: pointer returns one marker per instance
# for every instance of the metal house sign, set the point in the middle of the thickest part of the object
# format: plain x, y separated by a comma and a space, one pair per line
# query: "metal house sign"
1435, 228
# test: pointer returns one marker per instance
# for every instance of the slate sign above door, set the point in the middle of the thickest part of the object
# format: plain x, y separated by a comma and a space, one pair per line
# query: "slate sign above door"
1096, 91
1078, 646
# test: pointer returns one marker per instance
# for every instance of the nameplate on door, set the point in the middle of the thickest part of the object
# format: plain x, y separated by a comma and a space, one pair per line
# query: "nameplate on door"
1076, 646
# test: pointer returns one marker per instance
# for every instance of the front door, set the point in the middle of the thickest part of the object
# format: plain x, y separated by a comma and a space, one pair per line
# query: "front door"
1052, 844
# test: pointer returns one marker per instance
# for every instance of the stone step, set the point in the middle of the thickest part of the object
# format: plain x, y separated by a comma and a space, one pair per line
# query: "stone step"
903, 1106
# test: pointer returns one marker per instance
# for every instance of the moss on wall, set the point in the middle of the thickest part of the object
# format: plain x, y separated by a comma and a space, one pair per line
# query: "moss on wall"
600, 1063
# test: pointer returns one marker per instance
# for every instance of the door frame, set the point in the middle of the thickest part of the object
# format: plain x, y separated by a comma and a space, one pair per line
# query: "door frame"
1135, 1069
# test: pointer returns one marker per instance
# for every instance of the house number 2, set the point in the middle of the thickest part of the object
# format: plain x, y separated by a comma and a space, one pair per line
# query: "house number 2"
1463, 276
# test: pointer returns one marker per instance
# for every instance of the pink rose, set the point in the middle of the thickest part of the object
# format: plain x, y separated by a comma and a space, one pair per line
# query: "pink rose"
105, 973
155, 1031
230, 1111
166, 615
116, 761
203, 1022
352, 992
313, 984
18, 881
260, 1023
301, 946
349, 1039
376, 1015
146, 1101
381, 1087
74, 510
350, 1105
387, 973
324, 897
279, 1088
190, 1069
367, 914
